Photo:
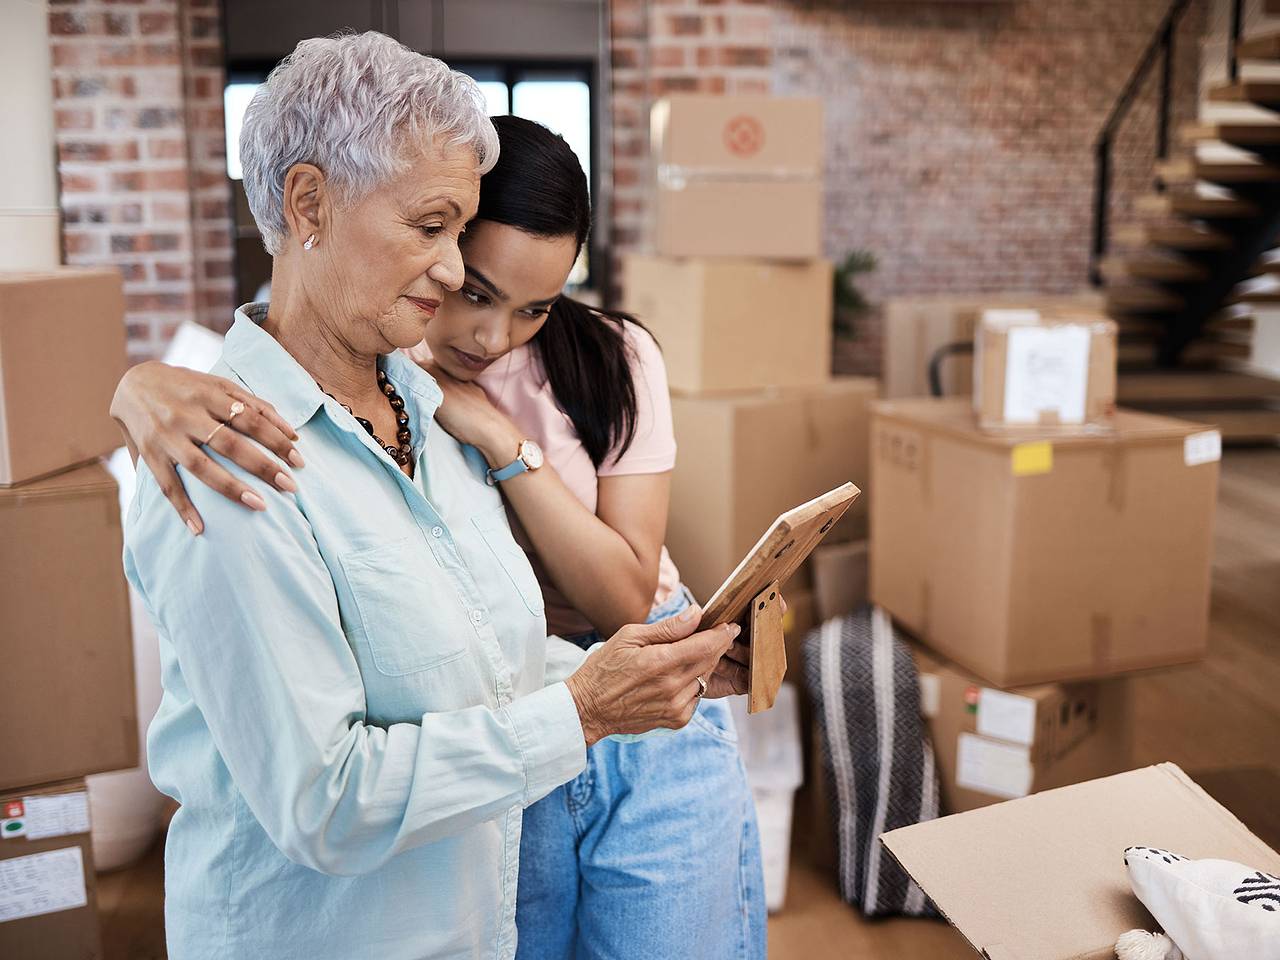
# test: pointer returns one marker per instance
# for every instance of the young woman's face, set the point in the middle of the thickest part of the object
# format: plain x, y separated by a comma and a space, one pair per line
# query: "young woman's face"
512, 278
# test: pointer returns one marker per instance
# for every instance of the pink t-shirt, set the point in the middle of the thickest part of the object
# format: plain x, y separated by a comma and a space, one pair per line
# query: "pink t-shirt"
517, 385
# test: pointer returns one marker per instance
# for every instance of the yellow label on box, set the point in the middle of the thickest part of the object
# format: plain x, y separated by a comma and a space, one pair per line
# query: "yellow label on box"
1031, 459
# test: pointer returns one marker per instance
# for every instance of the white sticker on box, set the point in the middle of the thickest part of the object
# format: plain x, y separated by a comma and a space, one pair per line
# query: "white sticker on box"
1006, 716
57, 816
1046, 371
989, 766
930, 695
42, 883
1204, 447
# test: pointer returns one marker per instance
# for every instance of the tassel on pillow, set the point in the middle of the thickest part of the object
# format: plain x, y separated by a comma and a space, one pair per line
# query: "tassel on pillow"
1140, 945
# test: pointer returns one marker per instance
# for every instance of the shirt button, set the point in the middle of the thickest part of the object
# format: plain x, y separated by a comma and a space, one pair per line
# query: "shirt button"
437, 532
476, 616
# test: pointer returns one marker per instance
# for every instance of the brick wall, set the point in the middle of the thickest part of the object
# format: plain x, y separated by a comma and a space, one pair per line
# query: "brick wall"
959, 136
138, 111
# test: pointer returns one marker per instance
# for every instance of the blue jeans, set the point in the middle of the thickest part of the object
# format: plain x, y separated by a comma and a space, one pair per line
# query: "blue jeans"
652, 851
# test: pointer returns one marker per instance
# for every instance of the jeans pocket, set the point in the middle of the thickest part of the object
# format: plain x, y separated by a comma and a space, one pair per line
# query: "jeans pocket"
714, 718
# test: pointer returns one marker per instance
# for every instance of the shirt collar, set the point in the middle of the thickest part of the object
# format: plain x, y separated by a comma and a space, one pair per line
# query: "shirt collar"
271, 372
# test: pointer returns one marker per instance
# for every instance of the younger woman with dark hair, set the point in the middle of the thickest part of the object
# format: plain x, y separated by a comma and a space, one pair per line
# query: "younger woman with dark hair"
653, 850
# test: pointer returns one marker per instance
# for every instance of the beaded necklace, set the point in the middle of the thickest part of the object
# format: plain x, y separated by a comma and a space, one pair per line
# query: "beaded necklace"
401, 451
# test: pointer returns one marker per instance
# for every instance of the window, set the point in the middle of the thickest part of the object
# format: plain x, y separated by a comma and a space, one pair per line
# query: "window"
235, 100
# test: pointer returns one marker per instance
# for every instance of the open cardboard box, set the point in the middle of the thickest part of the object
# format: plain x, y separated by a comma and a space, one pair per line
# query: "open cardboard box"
1043, 877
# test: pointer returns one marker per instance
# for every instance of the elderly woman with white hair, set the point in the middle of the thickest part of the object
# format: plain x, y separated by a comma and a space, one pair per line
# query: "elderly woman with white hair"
359, 695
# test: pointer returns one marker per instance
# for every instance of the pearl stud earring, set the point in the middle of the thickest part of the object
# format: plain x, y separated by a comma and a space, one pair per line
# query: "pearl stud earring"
311, 242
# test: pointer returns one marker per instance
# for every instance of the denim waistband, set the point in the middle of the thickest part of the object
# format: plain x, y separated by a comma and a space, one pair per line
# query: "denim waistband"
682, 599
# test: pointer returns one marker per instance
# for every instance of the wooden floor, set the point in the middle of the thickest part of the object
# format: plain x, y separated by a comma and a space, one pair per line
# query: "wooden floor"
1219, 719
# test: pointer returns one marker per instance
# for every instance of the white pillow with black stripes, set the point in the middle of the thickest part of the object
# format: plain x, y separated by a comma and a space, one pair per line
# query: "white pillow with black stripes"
1212, 909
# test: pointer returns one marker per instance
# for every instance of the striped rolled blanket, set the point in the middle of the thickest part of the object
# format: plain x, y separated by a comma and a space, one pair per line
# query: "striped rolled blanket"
876, 756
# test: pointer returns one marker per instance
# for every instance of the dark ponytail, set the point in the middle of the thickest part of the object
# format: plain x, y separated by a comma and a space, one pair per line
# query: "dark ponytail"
538, 186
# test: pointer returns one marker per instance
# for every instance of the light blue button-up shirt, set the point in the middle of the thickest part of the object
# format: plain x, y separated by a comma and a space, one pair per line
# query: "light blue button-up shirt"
359, 694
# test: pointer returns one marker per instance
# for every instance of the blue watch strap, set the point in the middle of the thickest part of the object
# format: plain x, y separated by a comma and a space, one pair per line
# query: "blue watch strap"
513, 468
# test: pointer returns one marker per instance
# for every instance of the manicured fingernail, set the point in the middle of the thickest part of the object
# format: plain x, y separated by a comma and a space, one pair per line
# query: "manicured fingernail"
252, 500
295, 458
285, 482
734, 630
193, 527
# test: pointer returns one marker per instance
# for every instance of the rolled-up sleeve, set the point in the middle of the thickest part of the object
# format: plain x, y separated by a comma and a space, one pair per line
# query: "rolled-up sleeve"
251, 613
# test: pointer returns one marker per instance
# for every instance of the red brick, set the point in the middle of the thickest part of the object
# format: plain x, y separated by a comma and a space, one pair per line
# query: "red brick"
685, 25
153, 23
167, 149
66, 119
668, 56
180, 270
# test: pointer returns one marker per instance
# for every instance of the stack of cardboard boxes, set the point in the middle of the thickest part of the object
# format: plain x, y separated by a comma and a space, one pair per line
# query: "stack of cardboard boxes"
738, 295
1040, 544
67, 703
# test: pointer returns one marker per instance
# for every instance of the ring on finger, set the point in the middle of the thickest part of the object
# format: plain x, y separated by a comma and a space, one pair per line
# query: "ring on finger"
702, 688
237, 408
213, 433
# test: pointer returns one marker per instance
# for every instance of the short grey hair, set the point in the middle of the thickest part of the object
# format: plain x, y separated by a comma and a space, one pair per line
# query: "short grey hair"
351, 104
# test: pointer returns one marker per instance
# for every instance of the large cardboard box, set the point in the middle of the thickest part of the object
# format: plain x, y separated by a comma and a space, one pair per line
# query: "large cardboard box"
48, 904
1036, 561
1044, 373
839, 573
746, 458
62, 352
67, 703
734, 324
1043, 878
722, 160
914, 328
992, 745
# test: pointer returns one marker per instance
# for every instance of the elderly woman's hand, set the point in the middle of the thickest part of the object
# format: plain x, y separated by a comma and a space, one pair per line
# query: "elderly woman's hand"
646, 676
166, 413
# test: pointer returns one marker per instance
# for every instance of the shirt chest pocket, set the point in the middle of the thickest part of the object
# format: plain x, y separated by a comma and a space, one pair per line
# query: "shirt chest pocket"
409, 614
496, 533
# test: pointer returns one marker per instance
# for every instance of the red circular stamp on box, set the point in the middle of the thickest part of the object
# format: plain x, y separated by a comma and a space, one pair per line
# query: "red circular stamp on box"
744, 135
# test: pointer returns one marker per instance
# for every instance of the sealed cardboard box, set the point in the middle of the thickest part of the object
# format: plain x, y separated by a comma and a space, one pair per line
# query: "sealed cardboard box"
1044, 372
67, 689
1043, 878
992, 745
61, 354
839, 573
1037, 561
914, 328
720, 160
746, 458
734, 324
48, 905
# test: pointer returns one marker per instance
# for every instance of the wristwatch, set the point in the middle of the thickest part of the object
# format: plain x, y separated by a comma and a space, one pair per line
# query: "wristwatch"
528, 457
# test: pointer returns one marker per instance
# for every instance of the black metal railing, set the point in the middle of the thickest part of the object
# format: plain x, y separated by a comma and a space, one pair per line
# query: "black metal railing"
1160, 49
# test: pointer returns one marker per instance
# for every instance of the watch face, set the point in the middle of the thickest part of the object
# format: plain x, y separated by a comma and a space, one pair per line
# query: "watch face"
531, 454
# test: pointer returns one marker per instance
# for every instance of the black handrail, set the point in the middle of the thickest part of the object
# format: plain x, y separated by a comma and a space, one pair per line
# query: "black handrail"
1161, 43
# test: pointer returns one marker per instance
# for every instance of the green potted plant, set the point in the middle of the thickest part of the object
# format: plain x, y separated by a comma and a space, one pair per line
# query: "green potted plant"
849, 302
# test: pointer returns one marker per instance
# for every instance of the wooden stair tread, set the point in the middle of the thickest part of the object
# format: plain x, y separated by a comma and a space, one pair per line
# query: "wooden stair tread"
1125, 298
1247, 91
1263, 46
1240, 425
1175, 236
1152, 266
1190, 169
1193, 386
1241, 134
1189, 204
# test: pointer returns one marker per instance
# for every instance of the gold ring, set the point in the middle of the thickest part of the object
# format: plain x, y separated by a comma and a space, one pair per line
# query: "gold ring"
236, 408
213, 433
702, 687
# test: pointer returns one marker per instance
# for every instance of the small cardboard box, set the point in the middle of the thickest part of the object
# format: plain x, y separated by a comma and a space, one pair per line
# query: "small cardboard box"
914, 328
1043, 878
1036, 561
67, 704
48, 902
734, 324
1044, 372
839, 577
746, 458
992, 745
721, 160
62, 351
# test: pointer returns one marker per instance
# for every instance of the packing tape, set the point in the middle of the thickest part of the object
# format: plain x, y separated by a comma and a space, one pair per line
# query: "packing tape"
1032, 459
676, 177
